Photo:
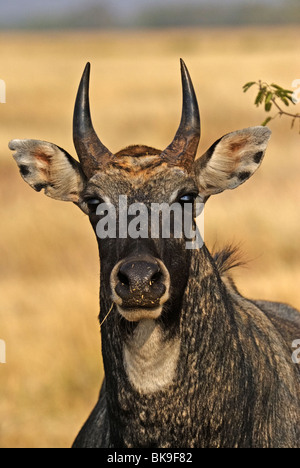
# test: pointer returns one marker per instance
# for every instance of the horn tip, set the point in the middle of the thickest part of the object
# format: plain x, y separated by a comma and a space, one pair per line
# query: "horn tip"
87, 68
183, 65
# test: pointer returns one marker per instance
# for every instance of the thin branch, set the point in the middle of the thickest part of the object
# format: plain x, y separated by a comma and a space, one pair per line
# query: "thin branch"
282, 112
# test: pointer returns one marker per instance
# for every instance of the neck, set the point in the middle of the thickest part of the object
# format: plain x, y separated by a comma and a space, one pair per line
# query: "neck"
149, 375
150, 360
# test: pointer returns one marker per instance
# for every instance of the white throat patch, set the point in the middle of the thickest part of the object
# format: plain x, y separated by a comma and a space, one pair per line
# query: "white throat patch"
150, 361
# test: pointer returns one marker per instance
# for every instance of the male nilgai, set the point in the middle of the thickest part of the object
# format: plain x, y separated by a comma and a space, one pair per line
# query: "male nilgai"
188, 361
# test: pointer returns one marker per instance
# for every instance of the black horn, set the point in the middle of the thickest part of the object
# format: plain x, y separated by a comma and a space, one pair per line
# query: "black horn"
91, 152
182, 150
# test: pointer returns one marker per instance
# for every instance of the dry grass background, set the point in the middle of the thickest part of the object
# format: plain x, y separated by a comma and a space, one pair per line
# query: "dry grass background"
49, 263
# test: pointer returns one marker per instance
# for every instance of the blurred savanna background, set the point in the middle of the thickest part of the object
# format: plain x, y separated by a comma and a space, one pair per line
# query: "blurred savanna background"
49, 270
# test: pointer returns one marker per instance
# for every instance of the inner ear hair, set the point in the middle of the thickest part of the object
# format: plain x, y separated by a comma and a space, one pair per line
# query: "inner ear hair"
231, 160
44, 165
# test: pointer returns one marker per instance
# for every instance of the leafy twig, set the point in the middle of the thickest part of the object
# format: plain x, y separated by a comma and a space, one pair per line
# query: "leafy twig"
273, 95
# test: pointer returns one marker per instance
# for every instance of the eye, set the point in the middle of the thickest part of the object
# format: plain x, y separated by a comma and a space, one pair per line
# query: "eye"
93, 204
188, 198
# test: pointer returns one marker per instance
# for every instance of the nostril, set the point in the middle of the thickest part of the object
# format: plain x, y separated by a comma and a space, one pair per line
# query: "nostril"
156, 278
123, 279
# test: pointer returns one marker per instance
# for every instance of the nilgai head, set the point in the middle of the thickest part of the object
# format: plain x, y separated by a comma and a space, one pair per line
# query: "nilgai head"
144, 267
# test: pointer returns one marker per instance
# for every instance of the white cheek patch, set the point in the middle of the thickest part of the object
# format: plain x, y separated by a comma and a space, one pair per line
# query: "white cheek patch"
150, 361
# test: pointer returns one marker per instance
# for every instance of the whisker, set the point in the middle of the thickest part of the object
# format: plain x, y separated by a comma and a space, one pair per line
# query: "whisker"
106, 316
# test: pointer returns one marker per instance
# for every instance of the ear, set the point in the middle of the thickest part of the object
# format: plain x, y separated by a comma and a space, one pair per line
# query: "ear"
230, 161
46, 166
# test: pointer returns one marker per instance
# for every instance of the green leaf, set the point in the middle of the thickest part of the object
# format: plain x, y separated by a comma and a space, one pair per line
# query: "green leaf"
277, 87
260, 97
285, 101
268, 106
279, 93
248, 85
291, 100
265, 122
268, 97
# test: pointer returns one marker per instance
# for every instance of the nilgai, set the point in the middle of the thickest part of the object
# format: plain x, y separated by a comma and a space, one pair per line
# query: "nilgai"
189, 362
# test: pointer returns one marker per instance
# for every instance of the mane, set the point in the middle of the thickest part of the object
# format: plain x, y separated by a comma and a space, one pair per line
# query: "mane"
228, 258
138, 150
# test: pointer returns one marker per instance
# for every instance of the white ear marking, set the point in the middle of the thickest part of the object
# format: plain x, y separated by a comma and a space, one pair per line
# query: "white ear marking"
44, 165
231, 160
